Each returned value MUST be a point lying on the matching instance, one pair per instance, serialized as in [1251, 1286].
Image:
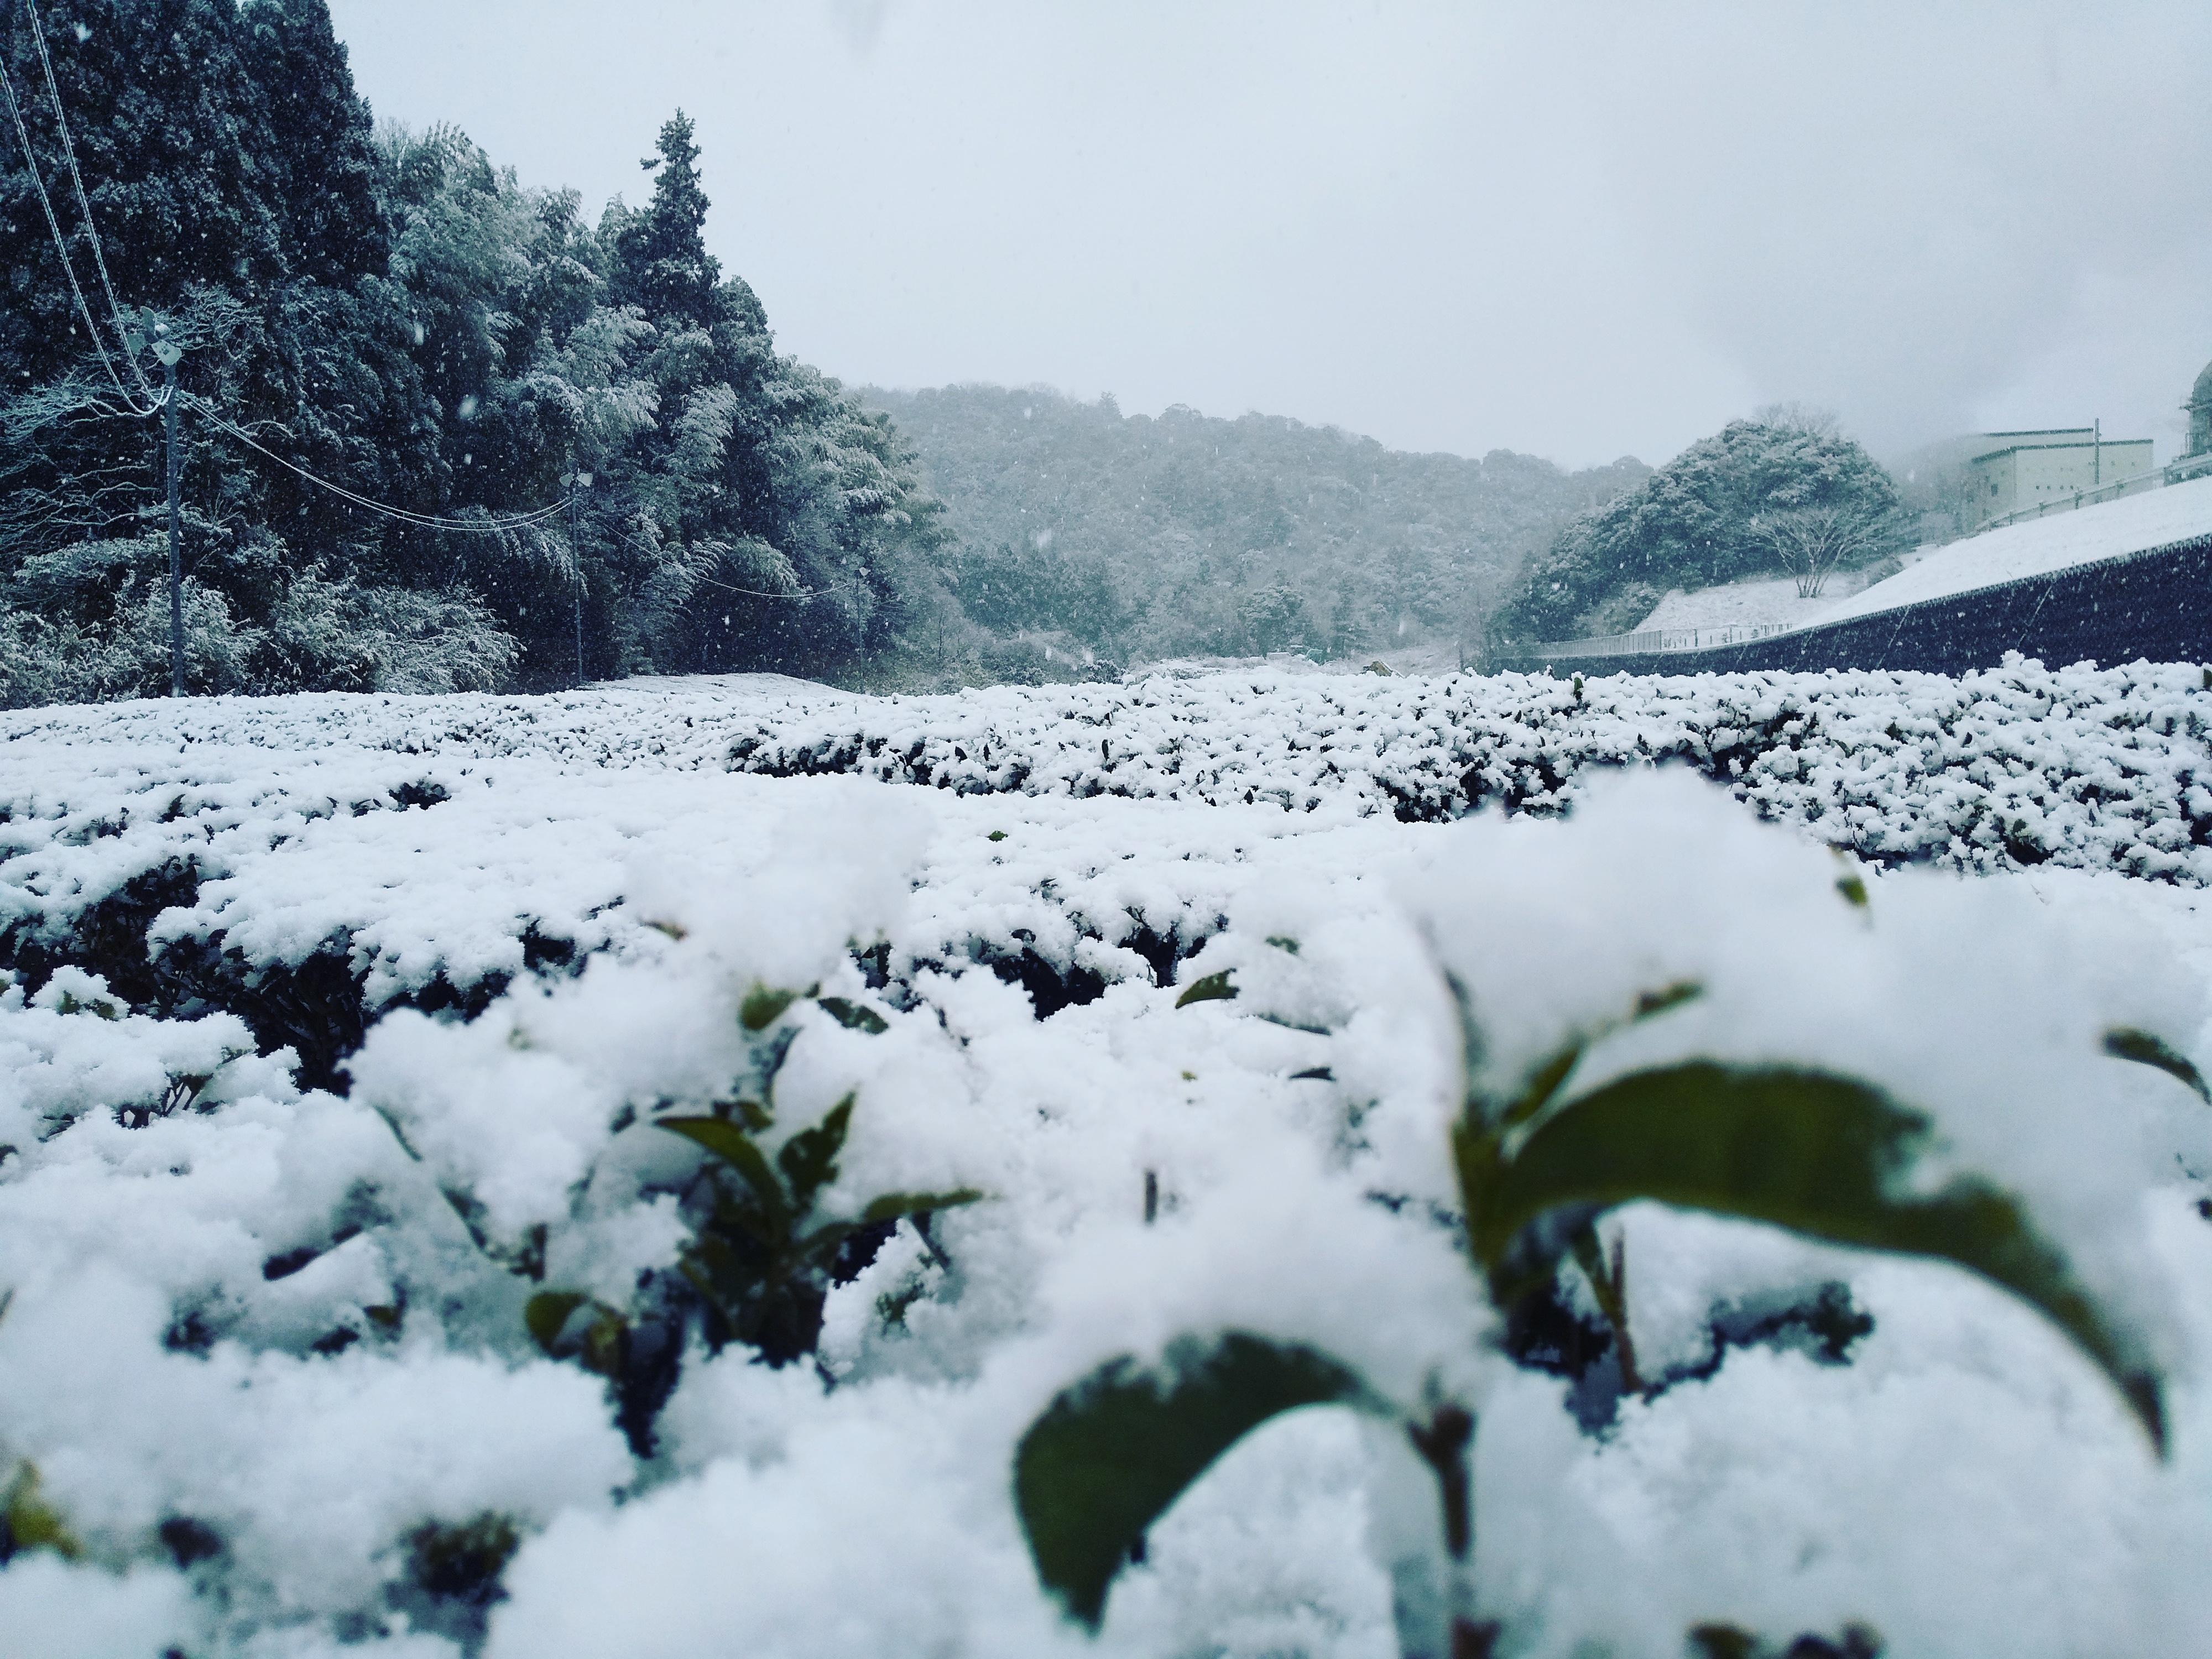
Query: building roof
[2201, 394]
[2071, 443]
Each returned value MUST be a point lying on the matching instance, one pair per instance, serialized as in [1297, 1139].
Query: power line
[727, 587]
[61, 245]
[155, 400]
[84, 203]
[422, 520]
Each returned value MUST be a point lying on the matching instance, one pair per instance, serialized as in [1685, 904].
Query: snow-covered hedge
[2021, 765]
[242, 838]
[267, 1351]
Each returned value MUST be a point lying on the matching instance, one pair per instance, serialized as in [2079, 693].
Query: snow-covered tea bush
[444, 1343]
[1538, 1163]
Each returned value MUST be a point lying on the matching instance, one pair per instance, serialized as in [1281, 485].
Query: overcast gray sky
[1576, 231]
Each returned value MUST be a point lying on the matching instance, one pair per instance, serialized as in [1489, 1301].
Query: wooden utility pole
[578, 481]
[168, 355]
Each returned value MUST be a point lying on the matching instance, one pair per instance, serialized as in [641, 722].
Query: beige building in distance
[2050, 466]
[2197, 461]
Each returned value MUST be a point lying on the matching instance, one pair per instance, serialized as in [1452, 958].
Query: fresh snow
[174, 1346]
[2148, 523]
[1751, 603]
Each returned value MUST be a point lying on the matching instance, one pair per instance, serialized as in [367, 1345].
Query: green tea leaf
[724, 1278]
[1113, 1452]
[1543, 1083]
[1545, 1080]
[1666, 997]
[1214, 988]
[809, 1158]
[734, 1147]
[893, 1207]
[762, 1007]
[547, 1316]
[547, 1313]
[2125, 1042]
[1820, 1155]
[463, 1563]
[32, 1523]
[854, 1016]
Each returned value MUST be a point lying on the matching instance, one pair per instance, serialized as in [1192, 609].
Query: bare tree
[1813, 418]
[1810, 542]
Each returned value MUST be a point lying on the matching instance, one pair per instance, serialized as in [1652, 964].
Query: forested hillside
[595, 461]
[1140, 537]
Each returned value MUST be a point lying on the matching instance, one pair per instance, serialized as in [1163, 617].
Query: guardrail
[2078, 500]
[1656, 639]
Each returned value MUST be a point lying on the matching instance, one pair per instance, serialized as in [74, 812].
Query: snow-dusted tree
[1275, 616]
[1691, 523]
[391, 313]
[1810, 541]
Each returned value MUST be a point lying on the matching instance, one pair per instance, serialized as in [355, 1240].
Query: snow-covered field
[264, 1344]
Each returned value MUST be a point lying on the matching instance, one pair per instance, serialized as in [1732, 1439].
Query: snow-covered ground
[1774, 602]
[265, 1347]
[2038, 547]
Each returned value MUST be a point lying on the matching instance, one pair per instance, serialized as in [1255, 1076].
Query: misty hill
[1139, 537]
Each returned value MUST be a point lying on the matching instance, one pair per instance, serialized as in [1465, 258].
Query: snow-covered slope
[2157, 520]
[266, 1354]
[1741, 605]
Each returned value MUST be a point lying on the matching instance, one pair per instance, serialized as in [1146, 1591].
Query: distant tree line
[391, 313]
[1131, 538]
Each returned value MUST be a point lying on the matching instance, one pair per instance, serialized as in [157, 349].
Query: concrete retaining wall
[2155, 605]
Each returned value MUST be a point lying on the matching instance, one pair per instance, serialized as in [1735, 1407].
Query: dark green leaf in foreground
[1819, 1154]
[762, 1007]
[809, 1158]
[735, 1148]
[855, 1015]
[30, 1521]
[1673, 995]
[821, 1245]
[1214, 988]
[546, 1313]
[550, 1317]
[892, 1207]
[2125, 1042]
[1117, 1450]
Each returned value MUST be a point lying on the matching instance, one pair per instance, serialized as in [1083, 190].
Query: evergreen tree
[399, 317]
[321, 154]
[662, 252]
